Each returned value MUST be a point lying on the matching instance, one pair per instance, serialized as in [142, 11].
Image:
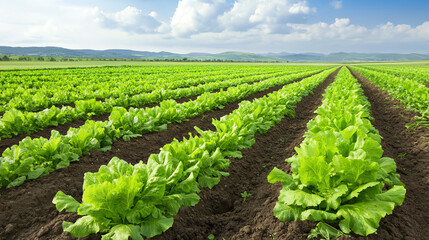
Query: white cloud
[300, 7]
[400, 32]
[53, 23]
[340, 29]
[49, 28]
[422, 31]
[267, 15]
[195, 16]
[200, 25]
[337, 4]
[199, 16]
[130, 19]
[153, 14]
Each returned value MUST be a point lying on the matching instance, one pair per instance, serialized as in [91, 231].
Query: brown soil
[410, 149]
[27, 211]
[222, 211]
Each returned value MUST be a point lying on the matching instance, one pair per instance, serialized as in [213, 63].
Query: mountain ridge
[225, 56]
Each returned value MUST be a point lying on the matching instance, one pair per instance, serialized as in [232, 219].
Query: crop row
[409, 72]
[77, 81]
[15, 122]
[413, 95]
[19, 81]
[36, 97]
[33, 158]
[124, 200]
[339, 176]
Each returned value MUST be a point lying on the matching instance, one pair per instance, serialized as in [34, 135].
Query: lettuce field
[215, 151]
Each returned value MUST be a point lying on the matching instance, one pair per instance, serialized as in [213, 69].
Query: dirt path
[223, 213]
[410, 149]
[27, 211]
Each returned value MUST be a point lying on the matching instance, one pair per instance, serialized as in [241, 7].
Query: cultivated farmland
[215, 151]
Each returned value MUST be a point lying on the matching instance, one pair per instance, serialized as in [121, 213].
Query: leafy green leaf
[396, 195]
[277, 175]
[355, 193]
[334, 198]
[317, 215]
[287, 213]
[67, 202]
[363, 218]
[326, 230]
[314, 171]
[82, 227]
[18, 181]
[300, 198]
[152, 227]
[123, 232]
[36, 173]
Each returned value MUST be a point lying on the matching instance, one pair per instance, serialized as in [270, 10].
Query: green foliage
[123, 200]
[245, 195]
[412, 93]
[339, 172]
[17, 122]
[126, 124]
[417, 74]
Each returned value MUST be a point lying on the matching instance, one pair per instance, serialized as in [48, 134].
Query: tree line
[65, 59]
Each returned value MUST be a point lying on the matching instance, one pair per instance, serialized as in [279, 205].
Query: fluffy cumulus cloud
[200, 25]
[400, 32]
[195, 16]
[199, 16]
[267, 15]
[54, 23]
[130, 19]
[340, 29]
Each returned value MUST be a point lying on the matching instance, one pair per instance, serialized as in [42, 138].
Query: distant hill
[120, 53]
[349, 57]
[226, 56]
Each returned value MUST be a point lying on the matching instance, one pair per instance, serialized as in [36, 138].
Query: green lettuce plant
[122, 200]
[339, 176]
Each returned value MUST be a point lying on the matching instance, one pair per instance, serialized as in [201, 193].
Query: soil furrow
[27, 211]
[410, 149]
[223, 212]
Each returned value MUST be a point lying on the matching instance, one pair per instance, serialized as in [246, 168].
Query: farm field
[192, 147]
[12, 65]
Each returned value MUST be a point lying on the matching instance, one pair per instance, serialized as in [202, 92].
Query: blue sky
[214, 26]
